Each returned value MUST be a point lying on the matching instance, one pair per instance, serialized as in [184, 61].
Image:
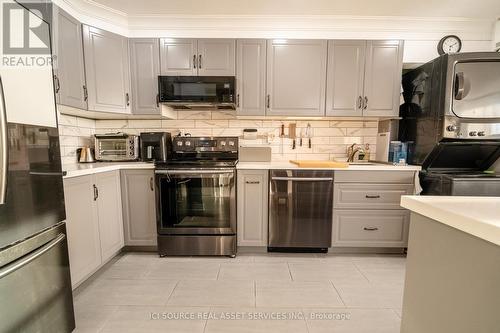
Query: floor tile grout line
[218, 272]
[289, 271]
[338, 293]
[255, 293]
[172, 292]
[361, 272]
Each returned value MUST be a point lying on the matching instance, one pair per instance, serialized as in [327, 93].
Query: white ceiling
[482, 9]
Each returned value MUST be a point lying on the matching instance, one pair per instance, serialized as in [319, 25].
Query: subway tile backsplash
[330, 138]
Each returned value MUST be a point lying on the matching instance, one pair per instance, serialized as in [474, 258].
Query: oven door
[196, 202]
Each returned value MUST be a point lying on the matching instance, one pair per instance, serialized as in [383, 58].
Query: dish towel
[417, 189]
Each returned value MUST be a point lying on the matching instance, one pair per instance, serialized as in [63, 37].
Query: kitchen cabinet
[296, 77]
[204, 57]
[109, 212]
[82, 225]
[251, 77]
[139, 209]
[94, 222]
[144, 71]
[367, 211]
[364, 78]
[70, 84]
[252, 211]
[383, 69]
[107, 70]
[346, 66]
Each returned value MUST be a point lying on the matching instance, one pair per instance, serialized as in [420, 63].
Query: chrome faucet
[352, 150]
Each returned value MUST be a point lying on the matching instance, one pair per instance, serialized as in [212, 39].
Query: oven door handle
[193, 172]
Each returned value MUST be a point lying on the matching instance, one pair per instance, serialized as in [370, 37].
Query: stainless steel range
[196, 197]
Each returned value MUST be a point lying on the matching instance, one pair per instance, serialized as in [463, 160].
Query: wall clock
[449, 44]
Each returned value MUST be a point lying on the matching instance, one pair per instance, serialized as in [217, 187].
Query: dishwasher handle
[304, 179]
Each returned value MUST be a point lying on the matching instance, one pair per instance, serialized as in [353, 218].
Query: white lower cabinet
[139, 209]
[252, 197]
[94, 222]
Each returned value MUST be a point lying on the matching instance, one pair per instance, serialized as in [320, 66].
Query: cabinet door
[344, 86]
[144, 71]
[139, 212]
[82, 228]
[107, 70]
[178, 56]
[383, 72]
[296, 77]
[252, 207]
[70, 79]
[251, 77]
[109, 211]
[216, 57]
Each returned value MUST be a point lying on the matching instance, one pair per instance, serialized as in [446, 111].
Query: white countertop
[83, 169]
[288, 165]
[478, 216]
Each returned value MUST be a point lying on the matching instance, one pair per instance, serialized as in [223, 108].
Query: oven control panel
[205, 144]
[459, 129]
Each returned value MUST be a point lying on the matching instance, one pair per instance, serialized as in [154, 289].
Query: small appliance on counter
[85, 155]
[113, 147]
[452, 114]
[250, 133]
[155, 146]
[387, 132]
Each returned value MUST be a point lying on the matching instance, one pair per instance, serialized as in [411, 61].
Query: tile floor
[140, 292]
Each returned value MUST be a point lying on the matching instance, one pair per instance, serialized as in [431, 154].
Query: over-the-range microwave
[187, 92]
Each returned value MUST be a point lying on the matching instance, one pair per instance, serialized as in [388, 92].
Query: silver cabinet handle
[360, 102]
[252, 182]
[237, 100]
[194, 60]
[303, 179]
[58, 84]
[365, 104]
[370, 228]
[199, 61]
[4, 152]
[368, 196]
[268, 101]
[85, 93]
[157, 100]
[17, 265]
[96, 192]
[127, 99]
[151, 186]
[459, 86]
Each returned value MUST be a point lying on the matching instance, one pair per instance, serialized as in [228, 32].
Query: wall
[330, 137]
[74, 132]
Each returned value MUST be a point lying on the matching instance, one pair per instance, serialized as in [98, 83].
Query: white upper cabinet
[251, 77]
[144, 71]
[107, 70]
[178, 56]
[191, 57]
[296, 77]
[383, 69]
[344, 86]
[69, 65]
[216, 57]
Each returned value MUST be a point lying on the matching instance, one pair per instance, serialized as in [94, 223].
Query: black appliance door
[210, 89]
[196, 202]
[35, 284]
[34, 197]
[300, 209]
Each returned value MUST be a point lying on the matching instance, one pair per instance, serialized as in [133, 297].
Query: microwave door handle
[459, 86]
[4, 153]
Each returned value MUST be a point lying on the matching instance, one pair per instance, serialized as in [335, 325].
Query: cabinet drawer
[374, 176]
[370, 228]
[370, 196]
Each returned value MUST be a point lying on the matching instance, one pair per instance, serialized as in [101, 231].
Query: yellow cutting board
[319, 164]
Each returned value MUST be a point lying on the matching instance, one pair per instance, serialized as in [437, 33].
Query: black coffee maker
[155, 146]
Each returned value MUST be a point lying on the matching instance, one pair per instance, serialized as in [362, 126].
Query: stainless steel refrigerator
[35, 285]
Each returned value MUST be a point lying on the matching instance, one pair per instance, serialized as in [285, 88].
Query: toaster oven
[116, 147]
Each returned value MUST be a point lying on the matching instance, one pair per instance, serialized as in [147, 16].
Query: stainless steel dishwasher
[300, 210]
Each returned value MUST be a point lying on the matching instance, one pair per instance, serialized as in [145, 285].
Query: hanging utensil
[292, 133]
[300, 140]
[309, 134]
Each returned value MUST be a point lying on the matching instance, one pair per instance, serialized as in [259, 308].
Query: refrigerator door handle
[36, 254]
[3, 146]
